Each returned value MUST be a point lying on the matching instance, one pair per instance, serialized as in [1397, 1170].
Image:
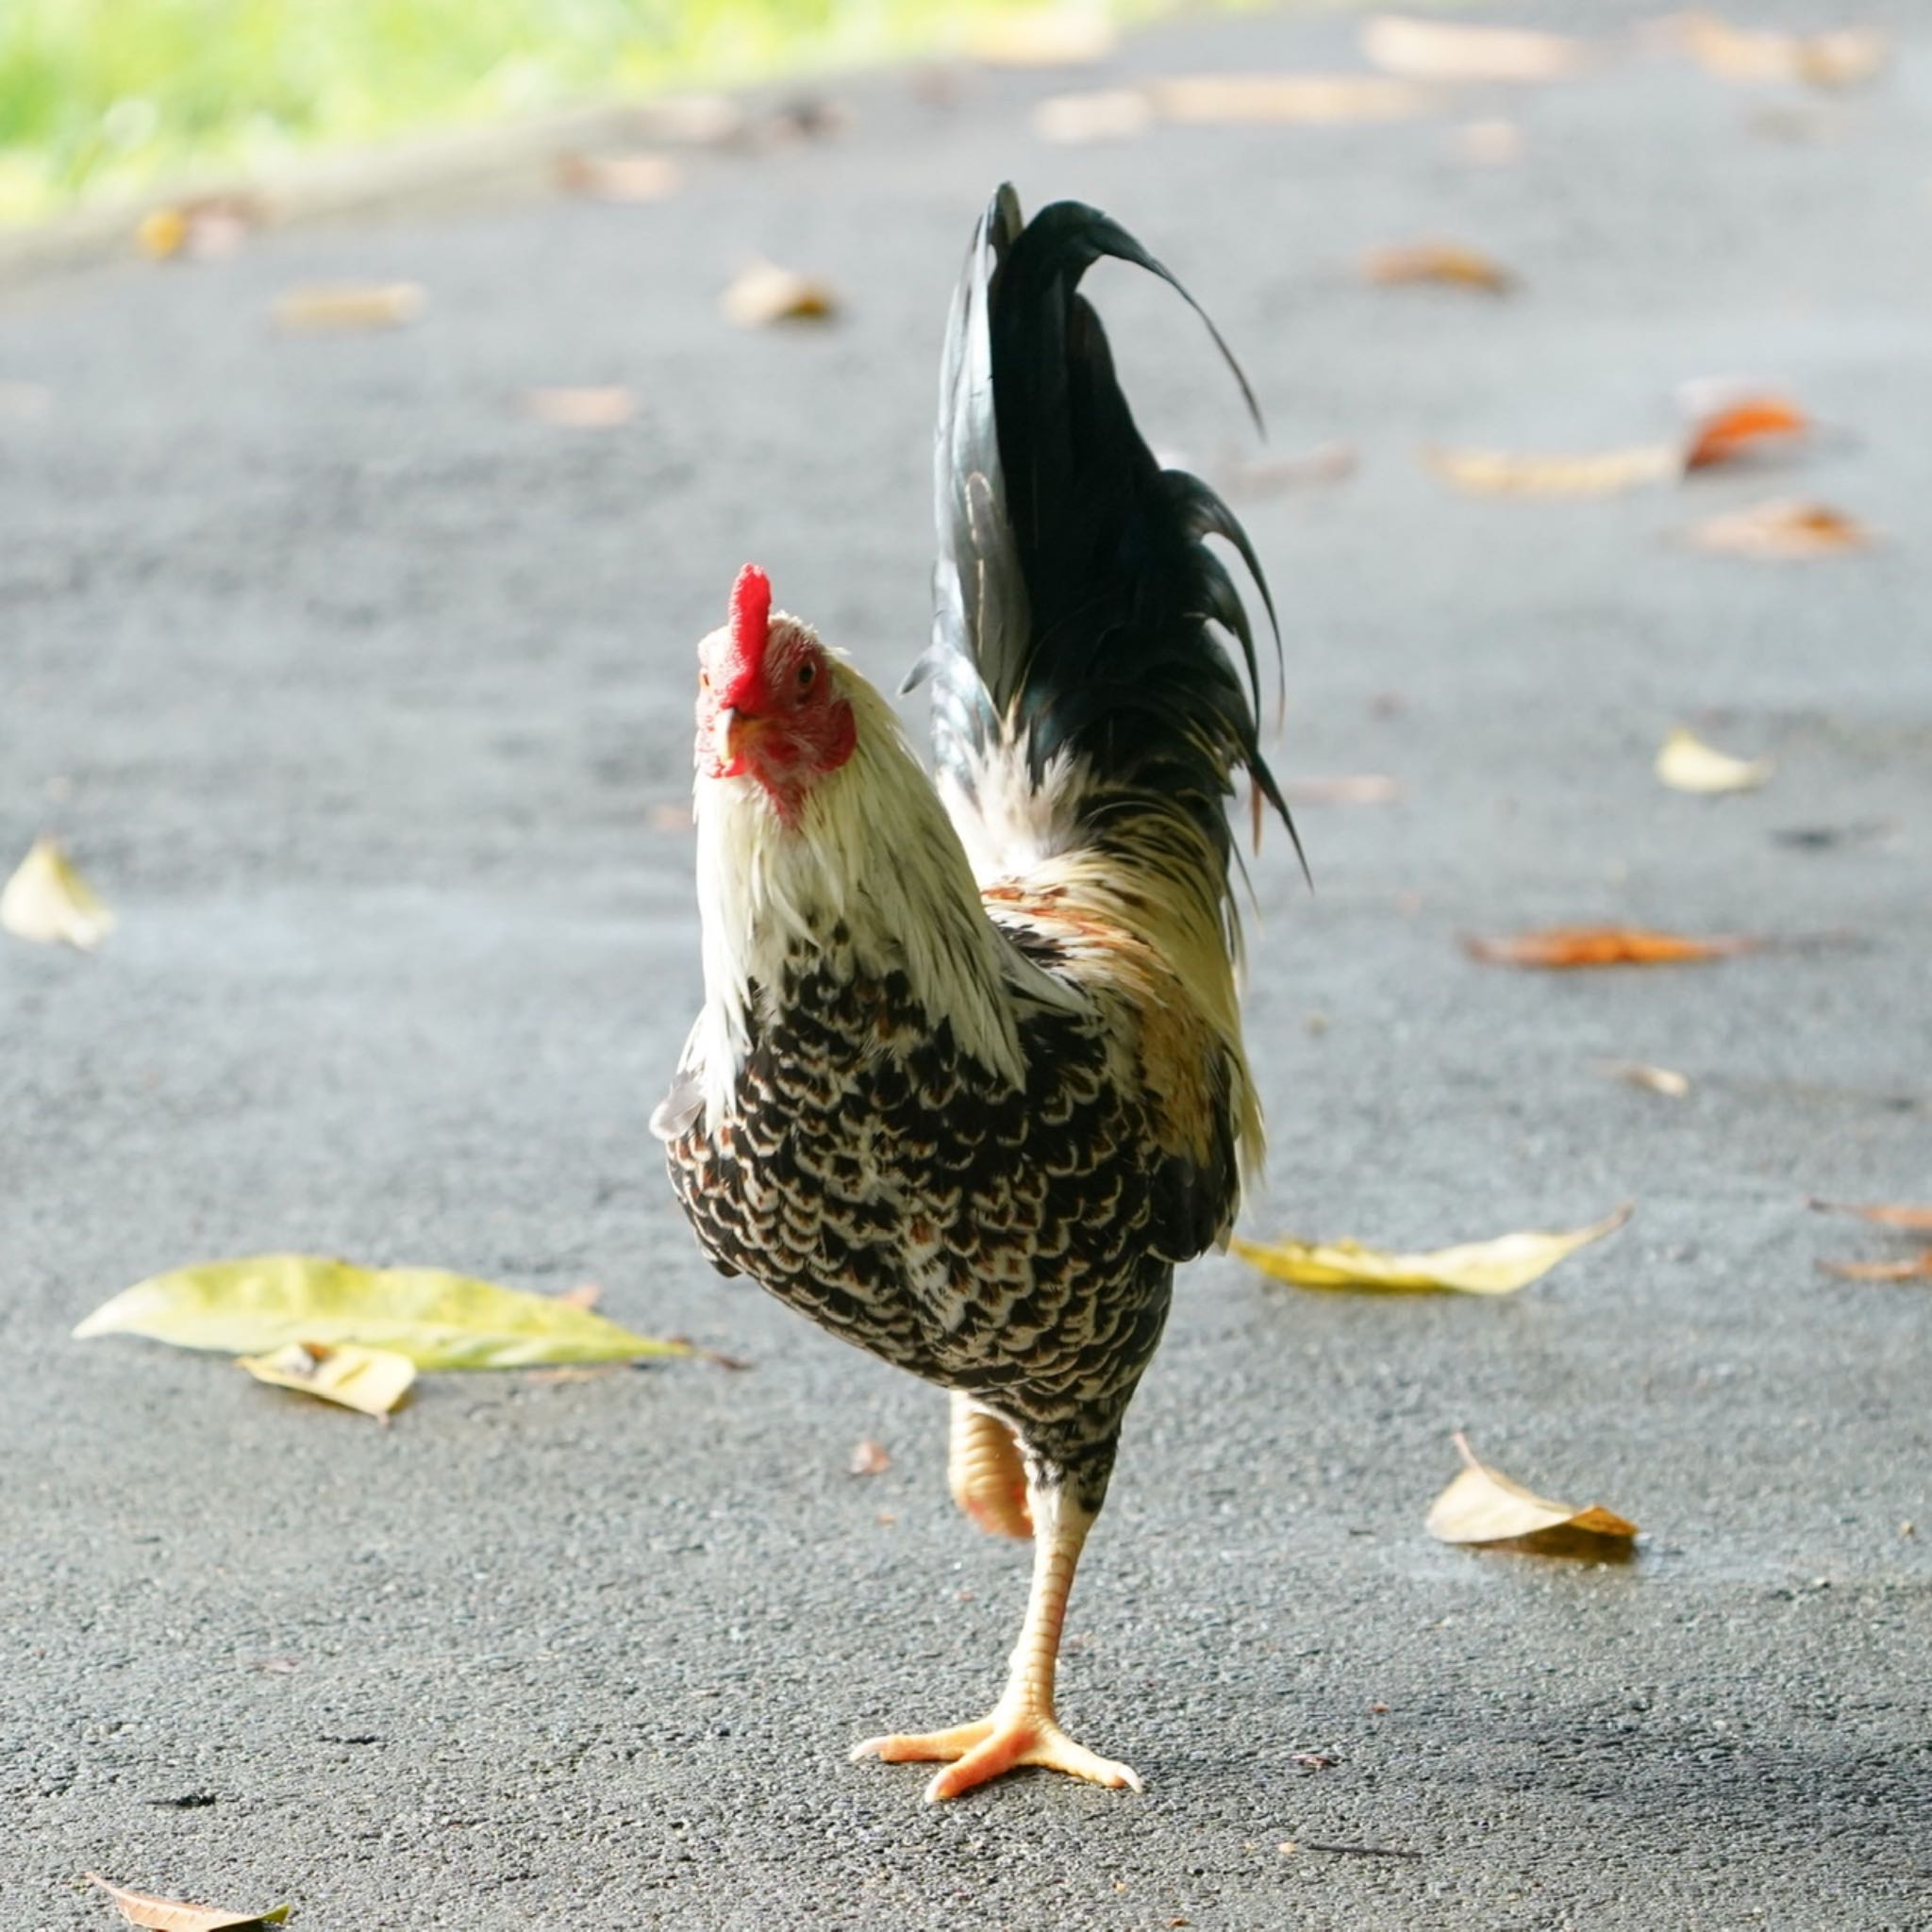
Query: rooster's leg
[985, 1473]
[1022, 1729]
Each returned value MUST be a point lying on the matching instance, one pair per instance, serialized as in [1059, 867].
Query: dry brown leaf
[1074, 120]
[1483, 1506]
[1911, 1269]
[1885, 1213]
[47, 901]
[370, 1380]
[1326, 463]
[1567, 947]
[1446, 262]
[634, 177]
[581, 409]
[1356, 787]
[176, 1915]
[869, 1458]
[1744, 426]
[765, 293]
[1665, 1080]
[1498, 472]
[1685, 763]
[1316, 100]
[1785, 527]
[325, 307]
[1842, 58]
[1444, 50]
[1061, 37]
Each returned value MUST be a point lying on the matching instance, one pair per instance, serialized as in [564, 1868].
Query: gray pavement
[360, 696]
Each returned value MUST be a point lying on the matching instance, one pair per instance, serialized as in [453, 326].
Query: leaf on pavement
[437, 1320]
[1666, 1080]
[345, 306]
[1911, 1267]
[1113, 115]
[1438, 261]
[1842, 58]
[1685, 763]
[1444, 50]
[1059, 37]
[1744, 426]
[869, 1458]
[1785, 527]
[1500, 472]
[1315, 100]
[1494, 1267]
[581, 409]
[1353, 787]
[1482, 1505]
[175, 1915]
[47, 901]
[370, 1380]
[636, 178]
[764, 293]
[1563, 948]
[208, 229]
[1885, 1213]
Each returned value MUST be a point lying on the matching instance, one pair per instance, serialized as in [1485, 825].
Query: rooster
[968, 1081]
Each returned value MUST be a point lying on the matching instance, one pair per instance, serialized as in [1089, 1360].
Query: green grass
[99, 96]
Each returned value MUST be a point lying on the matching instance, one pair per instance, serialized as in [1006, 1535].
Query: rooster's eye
[807, 671]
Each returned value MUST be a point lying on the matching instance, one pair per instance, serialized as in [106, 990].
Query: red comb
[751, 615]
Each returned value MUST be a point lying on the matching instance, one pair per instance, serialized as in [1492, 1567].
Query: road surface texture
[366, 700]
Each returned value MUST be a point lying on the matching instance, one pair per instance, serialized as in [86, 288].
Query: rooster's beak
[736, 733]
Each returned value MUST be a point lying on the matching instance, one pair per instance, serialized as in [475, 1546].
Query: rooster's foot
[976, 1754]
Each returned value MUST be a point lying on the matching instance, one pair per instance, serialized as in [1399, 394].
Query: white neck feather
[872, 848]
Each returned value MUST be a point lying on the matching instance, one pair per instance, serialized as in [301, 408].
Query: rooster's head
[770, 704]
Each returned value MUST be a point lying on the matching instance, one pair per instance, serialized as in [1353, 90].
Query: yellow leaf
[1314, 100]
[1446, 262]
[581, 409]
[1494, 1267]
[1482, 1505]
[333, 306]
[1784, 528]
[1842, 58]
[47, 901]
[765, 293]
[1501, 473]
[1665, 1080]
[1446, 50]
[1685, 763]
[372, 1380]
[437, 1320]
[175, 1915]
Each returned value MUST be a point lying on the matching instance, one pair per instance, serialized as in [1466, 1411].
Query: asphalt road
[366, 701]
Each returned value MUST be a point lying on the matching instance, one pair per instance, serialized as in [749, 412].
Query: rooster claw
[978, 1753]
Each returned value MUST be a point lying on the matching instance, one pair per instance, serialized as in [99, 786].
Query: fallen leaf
[1483, 1507]
[1357, 787]
[1500, 472]
[175, 1915]
[1665, 1080]
[869, 1458]
[1492, 1266]
[1744, 427]
[1441, 50]
[207, 228]
[437, 1320]
[1438, 261]
[595, 1372]
[1314, 1760]
[1060, 36]
[1315, 100]
[765, 293]
[586, 1294]
[1885, 1213]
[1327, 463]
[372, 1380]
[581, 409]
[1685, 763]
[1493, 143]
[1073, 120]
[347, 305]
[633, 178]
[47, 901]
[1911, 1269]
[1785, 527]
[1561, 948]
[1842, 58]
[1828, 838]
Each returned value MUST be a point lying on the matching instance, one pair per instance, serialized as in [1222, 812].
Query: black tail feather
[1075, 589]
